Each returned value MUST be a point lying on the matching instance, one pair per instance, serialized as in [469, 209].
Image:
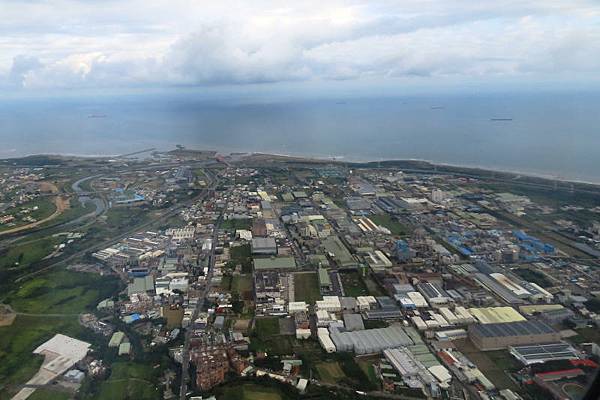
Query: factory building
[540, 353]
[264, 246]
[353, 322]
[297, 306]
[405, 302]
[496, 315]
[325, 341]
[371, 340]
[413, 373]
[418, 299]
[463, 315]
[377, 260]
[449, 316]
[329, 303]
[364, 303]
[500, 336]
[324, 280]
[433, 293]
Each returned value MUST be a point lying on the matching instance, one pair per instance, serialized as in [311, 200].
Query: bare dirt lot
[61, 203]
[7, 316]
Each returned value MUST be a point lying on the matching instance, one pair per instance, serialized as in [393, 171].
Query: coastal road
[185, 354]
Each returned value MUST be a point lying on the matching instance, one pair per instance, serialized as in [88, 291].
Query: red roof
[574, 371]
[446, 357]
[585, 363]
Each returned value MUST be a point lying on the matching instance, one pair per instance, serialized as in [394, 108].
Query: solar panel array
[521, 328]
[544, 352]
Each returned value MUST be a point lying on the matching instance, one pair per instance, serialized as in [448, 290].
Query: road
[170, 212]
[185, 355]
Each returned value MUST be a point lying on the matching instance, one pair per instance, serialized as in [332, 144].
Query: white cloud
[74, 44]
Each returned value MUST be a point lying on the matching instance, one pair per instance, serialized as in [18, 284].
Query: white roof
[65, 346]
[441, 373]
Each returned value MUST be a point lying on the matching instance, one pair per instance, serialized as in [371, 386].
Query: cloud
[82, 44]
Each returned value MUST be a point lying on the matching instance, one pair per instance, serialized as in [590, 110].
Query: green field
[353, 284]
[62, 292]
[249, 391]
[533, 276]
[17, 363]
[55, 298]
[75, 211]
[306, 287]
[27, 252]
[366, 364]
[242, 285]
[372, 286]
[330, 372]
[392, 224]
[45, 206]
[242, 255]
[47, 394]
[234, 224]
[493, 364]
[587, 335]
[266, 337]
[129, 380]
[120, 218]
[266, 327]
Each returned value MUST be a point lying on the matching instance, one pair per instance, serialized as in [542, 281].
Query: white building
[418, 299]
[365, 302]
[329, 303]
[180, 284]
[297, 306]
[302, 333]
[325, 340]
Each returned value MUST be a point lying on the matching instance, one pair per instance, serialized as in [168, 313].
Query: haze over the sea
[357, 80]
[552, 134]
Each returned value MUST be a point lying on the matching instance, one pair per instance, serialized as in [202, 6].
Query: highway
[170, 212]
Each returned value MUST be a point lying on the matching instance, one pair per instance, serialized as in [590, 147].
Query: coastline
[344, 160]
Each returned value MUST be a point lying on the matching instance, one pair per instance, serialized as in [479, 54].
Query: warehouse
[418, 299]
[325, 340]
[512, 286]
[324, 280]
[405, 302]
[369, 341]
[498, 289]
[353, 322]
[419, 323]
[382, 314]
[433, 293]
[329, 303]
[378, 261]
[449, 316]
[496, 315]
[413, 373]
[264, 246]
[541, 353]
[463, 315]
[500, 336]
[452, 334]
[116, 339]
[297, 306]
[365, 302]
[334, 247]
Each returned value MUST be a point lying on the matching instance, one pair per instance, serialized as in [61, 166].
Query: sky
[142, 44]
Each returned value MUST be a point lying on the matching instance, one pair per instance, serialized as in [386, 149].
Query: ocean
[550, 134]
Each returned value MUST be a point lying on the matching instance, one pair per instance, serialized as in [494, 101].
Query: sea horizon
[551, 136]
